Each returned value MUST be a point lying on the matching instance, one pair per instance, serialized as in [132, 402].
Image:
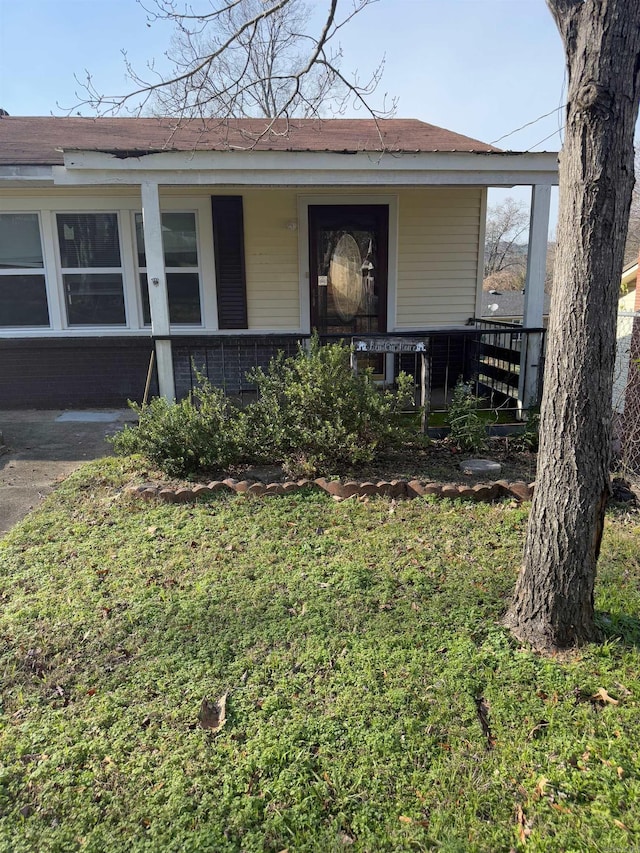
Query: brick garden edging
[401, 489]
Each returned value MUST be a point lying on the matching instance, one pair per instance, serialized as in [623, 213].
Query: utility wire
[528, 124]
[545, 139]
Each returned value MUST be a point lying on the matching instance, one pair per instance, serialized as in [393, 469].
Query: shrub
[314, 414]
[201, 432]
[468, 430]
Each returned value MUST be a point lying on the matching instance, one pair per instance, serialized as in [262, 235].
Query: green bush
[468, 429]
[315, 415]
[200, 433]
[312, 413]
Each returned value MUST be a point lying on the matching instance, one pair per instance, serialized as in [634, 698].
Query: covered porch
[502, 361]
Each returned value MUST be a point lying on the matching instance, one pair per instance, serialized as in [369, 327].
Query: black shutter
[228, 244]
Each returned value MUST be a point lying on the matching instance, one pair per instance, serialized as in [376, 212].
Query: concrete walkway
[42, 448]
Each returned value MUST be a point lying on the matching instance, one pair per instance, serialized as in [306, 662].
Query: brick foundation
[47, 373]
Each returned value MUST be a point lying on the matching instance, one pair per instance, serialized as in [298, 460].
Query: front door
[348, 247]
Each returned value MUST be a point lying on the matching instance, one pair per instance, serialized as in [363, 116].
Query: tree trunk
[553, 605]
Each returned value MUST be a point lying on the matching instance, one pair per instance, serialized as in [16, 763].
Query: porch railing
[488, 355]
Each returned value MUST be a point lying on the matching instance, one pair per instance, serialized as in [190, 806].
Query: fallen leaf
[151, 530]
[602, 696]
[524, 827]
[541, 785]
[620, 772]
[213, 715]
[620, 824]
[404, 819]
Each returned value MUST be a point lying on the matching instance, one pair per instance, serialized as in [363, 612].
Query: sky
[480, 67]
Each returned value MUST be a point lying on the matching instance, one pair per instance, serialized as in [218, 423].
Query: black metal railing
[489, 356]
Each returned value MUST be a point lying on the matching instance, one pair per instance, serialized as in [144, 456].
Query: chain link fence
[626, 396]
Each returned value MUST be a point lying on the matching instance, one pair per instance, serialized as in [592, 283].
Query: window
[23, 292]
[180, 245]
[91, 269]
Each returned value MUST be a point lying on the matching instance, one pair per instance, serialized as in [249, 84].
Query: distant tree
[245, 58]
[506, 223]
[259, 74]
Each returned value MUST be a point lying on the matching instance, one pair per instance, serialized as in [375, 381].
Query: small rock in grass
[480, 467]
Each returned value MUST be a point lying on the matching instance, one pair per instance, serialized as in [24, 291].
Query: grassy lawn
[374, 703]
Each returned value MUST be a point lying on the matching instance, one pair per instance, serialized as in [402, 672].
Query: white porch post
[157, 284]
[534, 295]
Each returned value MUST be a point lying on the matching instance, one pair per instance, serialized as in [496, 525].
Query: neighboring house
[508, 306]
[626, 379]
[627, 330]
[219, 244]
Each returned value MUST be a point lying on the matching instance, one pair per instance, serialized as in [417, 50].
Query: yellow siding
[438, 245]
[438, 238]
[271, 259]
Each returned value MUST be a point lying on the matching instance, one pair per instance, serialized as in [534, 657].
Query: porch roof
[29, 140]
[240, 152]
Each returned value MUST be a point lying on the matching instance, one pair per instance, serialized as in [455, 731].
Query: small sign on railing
[390, 345]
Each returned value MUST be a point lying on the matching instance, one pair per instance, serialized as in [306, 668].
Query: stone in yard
[480, 467]
[264, 473]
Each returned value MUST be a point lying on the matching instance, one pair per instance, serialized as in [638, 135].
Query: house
[216, 244]
[508, 306]
[626, 377]
[625, 385]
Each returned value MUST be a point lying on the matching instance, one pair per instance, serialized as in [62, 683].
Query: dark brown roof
[33, 140]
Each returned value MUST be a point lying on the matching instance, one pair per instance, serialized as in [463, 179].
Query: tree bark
[553, 605]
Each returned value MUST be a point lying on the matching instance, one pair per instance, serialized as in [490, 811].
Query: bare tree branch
[244, 58]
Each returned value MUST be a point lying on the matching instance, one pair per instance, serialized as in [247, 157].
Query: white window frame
[123, 201]
[178, 327]
[62, 271]
[30, 271]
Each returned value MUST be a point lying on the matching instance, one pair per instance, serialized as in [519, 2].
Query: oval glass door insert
[345, 277]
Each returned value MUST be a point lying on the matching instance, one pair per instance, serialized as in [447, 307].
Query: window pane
[184, 297]
[179, 240]
[20, 246]
[94, 300]
[144, 293]
[88, 240]
[23, 301]
[142, 260]
[183, 290]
